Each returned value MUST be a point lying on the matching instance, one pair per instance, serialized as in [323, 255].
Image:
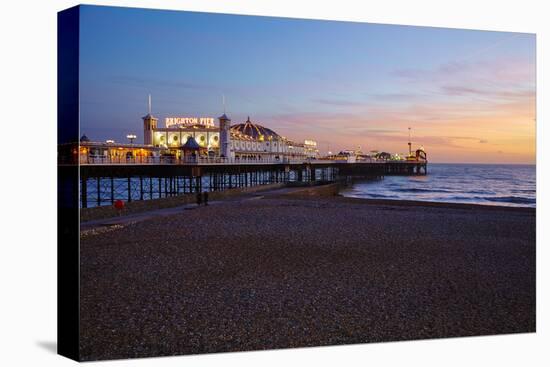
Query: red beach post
[119, 206]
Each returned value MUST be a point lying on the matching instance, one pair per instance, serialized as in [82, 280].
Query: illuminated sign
[188, 121]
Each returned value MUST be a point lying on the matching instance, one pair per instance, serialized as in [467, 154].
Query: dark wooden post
[112, 190]
[129, 189]
[99, 191]
[84, 191]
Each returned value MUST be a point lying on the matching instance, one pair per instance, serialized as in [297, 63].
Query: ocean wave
[482, 192]
[520, 191]
[417, 189]
[371, 195]
[511, 199]
[496, 199]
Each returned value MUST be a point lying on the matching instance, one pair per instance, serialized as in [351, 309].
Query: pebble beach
[283, 272]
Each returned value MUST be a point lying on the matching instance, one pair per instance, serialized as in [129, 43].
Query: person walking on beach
[199, 198]
[205, 198]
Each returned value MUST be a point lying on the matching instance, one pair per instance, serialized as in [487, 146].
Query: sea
[487, 184]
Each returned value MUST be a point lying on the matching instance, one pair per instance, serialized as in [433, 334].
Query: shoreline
[324, 190]
[438, 204]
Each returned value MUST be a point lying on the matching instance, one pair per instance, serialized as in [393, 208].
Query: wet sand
[282, 272]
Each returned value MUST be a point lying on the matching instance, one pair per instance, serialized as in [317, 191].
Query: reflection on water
[508, 185]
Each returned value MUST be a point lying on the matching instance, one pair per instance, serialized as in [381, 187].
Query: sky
[468, 95]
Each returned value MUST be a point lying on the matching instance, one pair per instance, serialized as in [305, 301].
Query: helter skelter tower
[410, 144]
[225, 133]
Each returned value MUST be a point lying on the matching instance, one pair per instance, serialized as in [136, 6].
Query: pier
[196, 156]
[102, 183]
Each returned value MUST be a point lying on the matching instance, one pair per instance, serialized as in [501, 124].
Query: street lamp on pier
[131, 137]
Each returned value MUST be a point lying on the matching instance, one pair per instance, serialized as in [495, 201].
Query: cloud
[459, 90]
[470, 138]
[407, 73]
[496, 72]
[445, 70]
[337, 102]
[463, 90]
[397, 97]
[462, 137]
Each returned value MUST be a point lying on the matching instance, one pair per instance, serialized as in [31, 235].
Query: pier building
[243, 141]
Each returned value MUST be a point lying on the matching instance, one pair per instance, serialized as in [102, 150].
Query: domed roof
[255, 131]
[84, 138]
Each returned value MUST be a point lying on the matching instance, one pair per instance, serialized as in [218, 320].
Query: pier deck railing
[98, 160]
[102, 160]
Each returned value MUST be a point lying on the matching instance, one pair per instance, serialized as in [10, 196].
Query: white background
[28, 191]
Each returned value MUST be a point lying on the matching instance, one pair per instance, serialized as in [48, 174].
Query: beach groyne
[133, 207]
[329, 189]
